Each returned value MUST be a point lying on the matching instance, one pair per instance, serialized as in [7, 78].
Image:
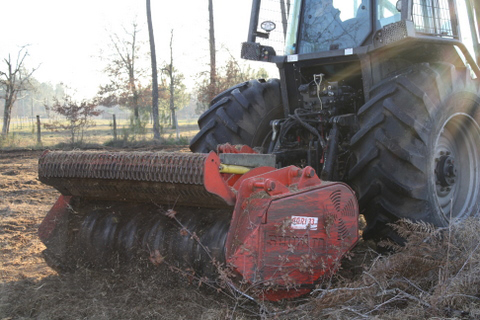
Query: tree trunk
[136, 112]
[172, 85]
[156, 122]
[172, 103]
[6, 119]
[7, 113]
[39, 133]
[114, 128]
[213, 67]
[72, 132]
[133, 85]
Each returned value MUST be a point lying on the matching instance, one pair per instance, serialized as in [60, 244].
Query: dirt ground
[23, 201]
[29, 289]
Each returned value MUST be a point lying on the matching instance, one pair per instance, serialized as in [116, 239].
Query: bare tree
[171, 76]
[13, 81]
[124, 72]
[153, 55]
[213, 66]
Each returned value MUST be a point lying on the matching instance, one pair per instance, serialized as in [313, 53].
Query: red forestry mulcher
[280, 229]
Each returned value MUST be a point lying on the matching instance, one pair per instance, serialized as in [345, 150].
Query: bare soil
[29, 289]
[23, 201]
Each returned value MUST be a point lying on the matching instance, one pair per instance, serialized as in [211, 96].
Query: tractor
[382, 95]
[376, 112]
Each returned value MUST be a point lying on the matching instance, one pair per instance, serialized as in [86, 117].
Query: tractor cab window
[387, 12]
[333, 24]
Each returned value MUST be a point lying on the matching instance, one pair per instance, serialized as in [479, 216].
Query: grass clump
[434, 275]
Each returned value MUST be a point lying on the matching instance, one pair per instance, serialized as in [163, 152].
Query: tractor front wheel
[240, 115]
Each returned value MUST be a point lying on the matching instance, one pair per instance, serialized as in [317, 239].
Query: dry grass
[435, 276]
[24, 134]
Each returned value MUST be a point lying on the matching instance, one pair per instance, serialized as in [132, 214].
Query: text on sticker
[299, 222]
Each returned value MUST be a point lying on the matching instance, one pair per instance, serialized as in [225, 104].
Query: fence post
[39, 134]
[114, 128]
[177, 129]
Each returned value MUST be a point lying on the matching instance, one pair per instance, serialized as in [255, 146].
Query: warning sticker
[299, 222]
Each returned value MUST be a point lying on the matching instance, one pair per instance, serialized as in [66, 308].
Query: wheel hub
[445, 171]
[456, 169]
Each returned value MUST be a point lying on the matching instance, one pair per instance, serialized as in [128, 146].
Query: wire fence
[26, 132]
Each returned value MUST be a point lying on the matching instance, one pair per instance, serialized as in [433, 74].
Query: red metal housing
[289, 229]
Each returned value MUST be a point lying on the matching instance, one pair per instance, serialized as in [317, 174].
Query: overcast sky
[65, 37]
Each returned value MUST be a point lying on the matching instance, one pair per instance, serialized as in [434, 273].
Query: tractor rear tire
[240, 115]
[417, 152]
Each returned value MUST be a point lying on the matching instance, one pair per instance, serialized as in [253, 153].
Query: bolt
[309, 172]
[270, 185]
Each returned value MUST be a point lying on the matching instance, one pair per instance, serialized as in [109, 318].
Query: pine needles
[435, 274]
